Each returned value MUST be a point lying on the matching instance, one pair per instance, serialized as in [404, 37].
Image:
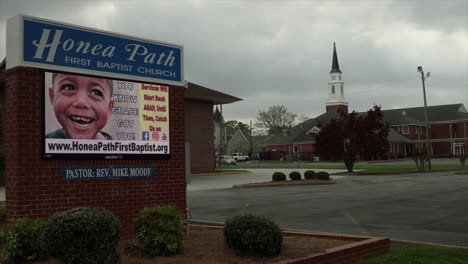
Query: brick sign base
[34, 187]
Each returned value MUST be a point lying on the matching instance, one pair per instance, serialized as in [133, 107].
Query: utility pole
[428, 139]
[250, 139]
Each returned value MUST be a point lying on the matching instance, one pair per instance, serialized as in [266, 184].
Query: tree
[352, 134]
[234, 124]
[276, 118]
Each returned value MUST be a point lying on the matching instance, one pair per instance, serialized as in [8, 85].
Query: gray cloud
[279, 52]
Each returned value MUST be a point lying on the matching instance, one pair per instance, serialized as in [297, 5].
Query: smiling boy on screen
[82, 105]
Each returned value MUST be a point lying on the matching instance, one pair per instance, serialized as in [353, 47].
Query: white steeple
[336, 97]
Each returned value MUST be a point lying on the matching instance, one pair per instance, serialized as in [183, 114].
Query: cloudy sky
[280, 52]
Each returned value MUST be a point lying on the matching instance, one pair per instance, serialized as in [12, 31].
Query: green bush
[23, 240]
[309, 174]
[294, 176]
[253, 235]
[322, 175]
[83, 235]
[278, 176]
[160, 230]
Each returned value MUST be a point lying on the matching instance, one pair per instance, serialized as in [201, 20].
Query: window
[333, 77]
[315, 130]
[405, 130]
[340, 77]
[341, 89]
[333, 89]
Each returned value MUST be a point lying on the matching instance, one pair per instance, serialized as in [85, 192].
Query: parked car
[239, 156]
[228, 160]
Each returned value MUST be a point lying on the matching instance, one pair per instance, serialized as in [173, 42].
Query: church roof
[217, 117]
[436, 113]
[395, 117]
[335, 64]
[195, 91]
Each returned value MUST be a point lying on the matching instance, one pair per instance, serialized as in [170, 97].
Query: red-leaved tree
[352, 134]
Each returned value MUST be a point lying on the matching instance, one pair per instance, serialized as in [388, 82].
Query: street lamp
[428, 140]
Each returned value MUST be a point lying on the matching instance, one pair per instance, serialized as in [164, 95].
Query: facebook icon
[145, 135]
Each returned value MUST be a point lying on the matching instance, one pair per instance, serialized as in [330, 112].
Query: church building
[448, 128]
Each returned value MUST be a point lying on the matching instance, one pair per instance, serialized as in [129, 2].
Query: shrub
[309, 174]
[294, 176]
[160, 230]
[23, 240]
[322, 175]
[279, 176]
[83, 235]
[253, 235]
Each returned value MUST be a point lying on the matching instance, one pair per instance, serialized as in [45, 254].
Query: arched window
[333, 89]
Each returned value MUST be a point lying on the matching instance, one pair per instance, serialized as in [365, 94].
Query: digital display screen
[93, 117]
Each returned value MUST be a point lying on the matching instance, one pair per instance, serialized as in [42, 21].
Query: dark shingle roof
[436, 113]
[412, 116]
[401, 117]
[195, 91]
[298, 134]
[395, 137]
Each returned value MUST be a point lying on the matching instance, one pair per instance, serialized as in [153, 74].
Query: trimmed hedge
[294, 176]
[309, 175]
[160, 230]
[83, 235]
[253, 235]
[322, 175]
[23, 240]
[278, 176]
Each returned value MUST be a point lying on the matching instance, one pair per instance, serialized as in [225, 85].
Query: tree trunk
[349, 163]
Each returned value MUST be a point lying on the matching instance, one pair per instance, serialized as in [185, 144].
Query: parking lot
[426, 207]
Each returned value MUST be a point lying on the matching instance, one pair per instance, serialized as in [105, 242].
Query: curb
[268, 184]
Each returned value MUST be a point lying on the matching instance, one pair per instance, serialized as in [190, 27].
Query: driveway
[426, 207]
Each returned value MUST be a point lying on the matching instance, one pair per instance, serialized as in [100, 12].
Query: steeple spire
[336, 98]
[335, 65]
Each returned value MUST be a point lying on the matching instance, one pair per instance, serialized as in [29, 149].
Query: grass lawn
[374, 169]
[401, 169]
[419, 254]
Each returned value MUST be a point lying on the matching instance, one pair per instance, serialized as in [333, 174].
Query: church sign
[57, 46]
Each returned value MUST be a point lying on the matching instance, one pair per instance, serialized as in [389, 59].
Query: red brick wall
[200, 135]
[440, 131]
[33, 186]
[442, 148]
[332, 107]
[460, 130]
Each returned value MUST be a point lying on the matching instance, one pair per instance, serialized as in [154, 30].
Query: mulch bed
[206, 246]
[284, 183]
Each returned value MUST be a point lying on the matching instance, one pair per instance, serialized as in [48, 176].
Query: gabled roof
[399, 117]
[436, 113]
[395, 137]
[198, 92]
[239, 134]
[298, 134]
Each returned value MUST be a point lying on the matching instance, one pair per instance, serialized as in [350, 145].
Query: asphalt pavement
[425, 207]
